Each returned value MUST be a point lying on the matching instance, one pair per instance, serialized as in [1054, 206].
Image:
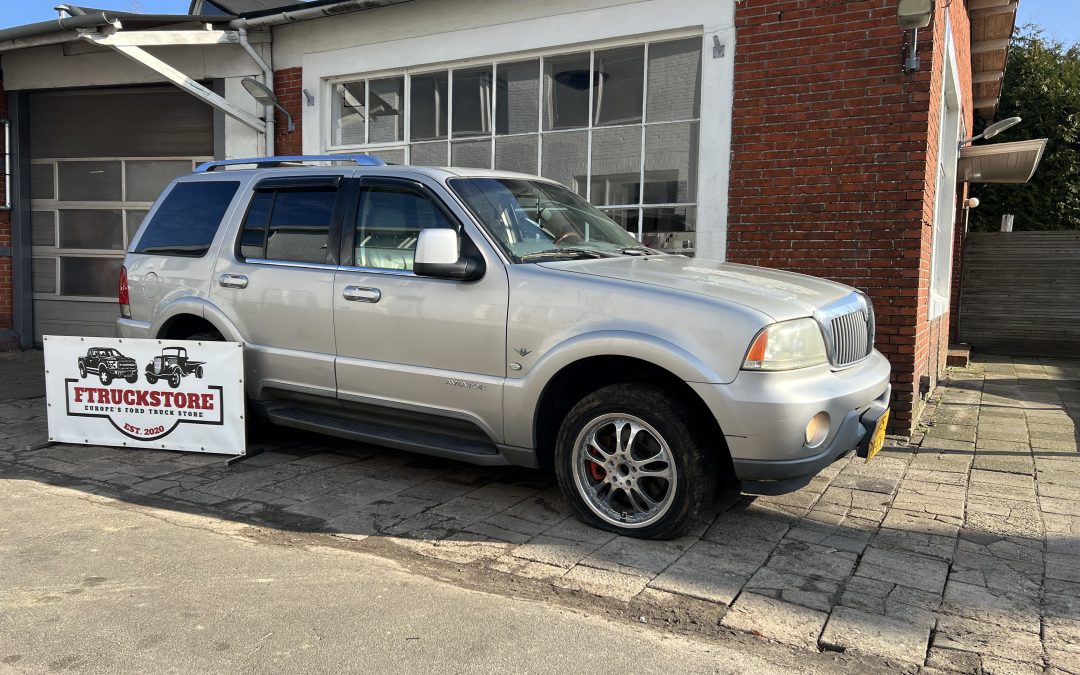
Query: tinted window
[186, 222]
[290, 224]
[389, 221]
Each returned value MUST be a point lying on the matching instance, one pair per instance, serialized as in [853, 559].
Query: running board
[473, 450]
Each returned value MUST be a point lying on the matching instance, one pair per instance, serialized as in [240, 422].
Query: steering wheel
[568, 235]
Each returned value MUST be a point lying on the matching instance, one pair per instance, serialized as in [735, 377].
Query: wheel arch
[579, 378]
[187, 316]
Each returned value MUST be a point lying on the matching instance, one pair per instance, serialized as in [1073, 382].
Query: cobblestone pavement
[958, 551]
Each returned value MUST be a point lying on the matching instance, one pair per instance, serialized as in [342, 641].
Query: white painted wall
[448, 31]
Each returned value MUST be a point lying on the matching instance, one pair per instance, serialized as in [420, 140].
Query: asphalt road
[90, 584]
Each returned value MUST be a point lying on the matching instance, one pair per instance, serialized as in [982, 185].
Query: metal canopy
[1000, 162]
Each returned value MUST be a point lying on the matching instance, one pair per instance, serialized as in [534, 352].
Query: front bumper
[764, 416]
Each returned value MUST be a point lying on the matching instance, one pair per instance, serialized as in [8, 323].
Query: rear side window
[291, 225]
[186, 222]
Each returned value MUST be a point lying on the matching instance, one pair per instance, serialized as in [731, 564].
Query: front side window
[388, 224]
[535, 221]
[290, 225]
[186, 222]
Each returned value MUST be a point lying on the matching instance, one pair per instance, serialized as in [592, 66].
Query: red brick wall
[288, 86]
[6, 341]
[832, 160]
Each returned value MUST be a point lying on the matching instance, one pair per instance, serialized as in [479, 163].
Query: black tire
[198, 372]
[82, 371]
[133, 378]
[696, 465]
[207, 336]
[174, 379]
[151, 378]
[105, 377]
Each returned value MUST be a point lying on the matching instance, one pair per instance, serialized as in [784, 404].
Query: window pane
[616, 165]
[472, 102]
[628, 218]
[428, 154]
[390, 155]
[146, 180]
[186, 222]
[517, 153]
[90, 182]
[43, 228]
[94, 277]
[253, 236]
[674, 80]
[566, 88]
[134, 217]
[428, 111]
[475, 154]
[670, 229]
[347, 113]
[98, 228]
[620, 76]
[671, 163]
[565, 157]
[388, 223]
[44, 275]
[41, 181]
[519, 97]
[300, 225]
[386, 98]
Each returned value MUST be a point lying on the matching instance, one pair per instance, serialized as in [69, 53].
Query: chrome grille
[849, 329]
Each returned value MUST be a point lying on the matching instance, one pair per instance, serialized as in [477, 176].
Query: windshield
[535, 221]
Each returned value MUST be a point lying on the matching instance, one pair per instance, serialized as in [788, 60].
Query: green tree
[1042, 85]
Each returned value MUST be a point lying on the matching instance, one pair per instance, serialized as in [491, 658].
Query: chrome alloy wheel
[624, 470]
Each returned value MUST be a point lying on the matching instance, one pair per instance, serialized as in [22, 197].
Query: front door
[277, 284]
[425, 345]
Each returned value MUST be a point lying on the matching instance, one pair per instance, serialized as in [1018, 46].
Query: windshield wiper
[637, 250]
[566, 253]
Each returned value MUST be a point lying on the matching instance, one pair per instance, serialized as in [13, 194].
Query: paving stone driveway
[958, 551]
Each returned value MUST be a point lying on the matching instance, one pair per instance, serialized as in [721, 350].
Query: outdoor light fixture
[264, 96]
[993, 130]
[913, 15]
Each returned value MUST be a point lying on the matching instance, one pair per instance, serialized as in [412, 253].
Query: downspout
[6, 206]
[268, 78]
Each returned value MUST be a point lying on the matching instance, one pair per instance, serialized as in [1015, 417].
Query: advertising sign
[161, 394]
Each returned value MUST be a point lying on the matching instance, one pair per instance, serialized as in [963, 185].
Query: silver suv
[499, 318]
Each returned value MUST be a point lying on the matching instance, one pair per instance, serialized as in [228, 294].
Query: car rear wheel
[630, 460]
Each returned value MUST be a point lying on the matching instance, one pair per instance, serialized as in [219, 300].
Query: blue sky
[1060, 18]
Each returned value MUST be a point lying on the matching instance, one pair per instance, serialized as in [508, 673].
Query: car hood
[781, 295]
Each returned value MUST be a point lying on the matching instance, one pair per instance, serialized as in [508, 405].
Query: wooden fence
[1020, 293]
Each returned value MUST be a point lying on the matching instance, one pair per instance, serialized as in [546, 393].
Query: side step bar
[472, 450]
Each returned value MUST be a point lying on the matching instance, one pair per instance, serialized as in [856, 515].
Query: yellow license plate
[878, 439]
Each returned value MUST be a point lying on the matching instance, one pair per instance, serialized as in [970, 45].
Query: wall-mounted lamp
[264, 96]
[973, 203]
[913, 15]
[993, 130]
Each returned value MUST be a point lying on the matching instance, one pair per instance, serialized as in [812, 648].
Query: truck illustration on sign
[108, 364]
[173, 365]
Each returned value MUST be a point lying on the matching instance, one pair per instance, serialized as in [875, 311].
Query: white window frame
[945, 174]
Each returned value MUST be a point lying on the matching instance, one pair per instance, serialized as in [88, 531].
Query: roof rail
[271, 162]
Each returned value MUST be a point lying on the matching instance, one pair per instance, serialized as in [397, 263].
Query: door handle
[360, 294]
[233, 281]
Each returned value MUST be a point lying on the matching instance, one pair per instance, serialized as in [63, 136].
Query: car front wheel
[630, 460]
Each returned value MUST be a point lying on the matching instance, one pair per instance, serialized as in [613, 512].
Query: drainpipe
[268, 78]
[326, 9]
[6, 206]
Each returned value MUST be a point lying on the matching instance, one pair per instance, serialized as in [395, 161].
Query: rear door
[277, 280]
[428, 345]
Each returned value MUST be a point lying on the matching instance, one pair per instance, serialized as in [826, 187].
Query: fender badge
[522, 351]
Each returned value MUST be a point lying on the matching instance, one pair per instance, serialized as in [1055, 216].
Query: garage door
[99, 159]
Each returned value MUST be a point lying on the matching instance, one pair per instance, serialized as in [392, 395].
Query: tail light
[124, 298]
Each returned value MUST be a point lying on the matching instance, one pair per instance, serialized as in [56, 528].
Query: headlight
[787, 345]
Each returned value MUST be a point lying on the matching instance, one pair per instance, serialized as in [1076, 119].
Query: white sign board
[161, 394]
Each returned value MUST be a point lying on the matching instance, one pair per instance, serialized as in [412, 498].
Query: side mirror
[437, 256]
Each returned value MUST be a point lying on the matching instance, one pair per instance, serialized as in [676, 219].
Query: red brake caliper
[596, 471]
